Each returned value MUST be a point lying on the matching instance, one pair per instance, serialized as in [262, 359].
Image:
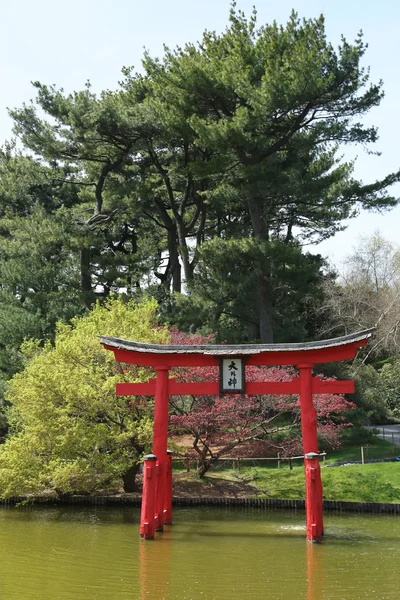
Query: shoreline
[124, 499]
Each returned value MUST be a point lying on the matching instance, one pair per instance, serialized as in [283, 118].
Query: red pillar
[147, 521]
[168, 491]
[315, 527]
[160, 440]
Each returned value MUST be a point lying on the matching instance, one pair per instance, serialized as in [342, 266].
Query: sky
[69, 43]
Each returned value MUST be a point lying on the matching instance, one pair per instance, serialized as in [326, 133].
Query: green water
[213, 554]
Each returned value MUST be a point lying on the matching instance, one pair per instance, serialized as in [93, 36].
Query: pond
[209, 553]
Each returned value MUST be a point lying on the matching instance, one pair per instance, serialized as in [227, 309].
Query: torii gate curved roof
[331, 350]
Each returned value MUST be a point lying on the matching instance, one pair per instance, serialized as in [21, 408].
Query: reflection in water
[155, 566]
[209, 554]
[315, 571]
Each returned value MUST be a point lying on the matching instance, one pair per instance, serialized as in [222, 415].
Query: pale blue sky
[70, 42]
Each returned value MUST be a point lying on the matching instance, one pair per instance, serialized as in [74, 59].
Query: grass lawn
[359, 483]
[363, 483]
[378, 482]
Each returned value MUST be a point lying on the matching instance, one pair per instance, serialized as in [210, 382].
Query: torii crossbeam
[157, 480]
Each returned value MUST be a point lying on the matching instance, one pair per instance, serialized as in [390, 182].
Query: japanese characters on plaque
[232, 375]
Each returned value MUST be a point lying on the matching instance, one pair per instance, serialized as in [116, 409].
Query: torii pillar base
[147, 518]
[314, 518]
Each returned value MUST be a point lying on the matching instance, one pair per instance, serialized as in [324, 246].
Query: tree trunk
[203, 467]
[253, 332]
[174, 258]
[183, 247]
[86, 277]
[185, 257]
[260, 230]
[266, 326]
[129, 479]
[177, 278]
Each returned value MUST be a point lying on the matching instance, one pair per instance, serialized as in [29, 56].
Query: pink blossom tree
[220, 426]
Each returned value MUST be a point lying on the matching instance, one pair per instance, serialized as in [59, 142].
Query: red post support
[168, 491]
[160, 441]
[314, 518]
[147, 522]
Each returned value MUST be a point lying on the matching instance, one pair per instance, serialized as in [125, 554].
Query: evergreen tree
[272, 106]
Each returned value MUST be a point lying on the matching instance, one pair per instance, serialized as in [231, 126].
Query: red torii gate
[157, 473]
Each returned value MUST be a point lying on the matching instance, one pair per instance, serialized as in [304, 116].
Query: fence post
[279, 461]
[362, 455]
